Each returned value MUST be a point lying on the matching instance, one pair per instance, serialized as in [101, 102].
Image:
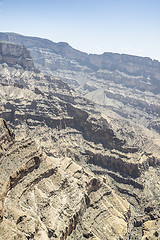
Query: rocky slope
[128, 85]
[73, 136]
[45, 197]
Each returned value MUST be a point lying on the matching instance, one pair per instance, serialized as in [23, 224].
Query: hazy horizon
[125, 27]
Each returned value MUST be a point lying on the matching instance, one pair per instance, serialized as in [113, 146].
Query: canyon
[80, 143]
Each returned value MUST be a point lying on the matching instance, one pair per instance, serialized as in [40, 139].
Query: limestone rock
[151, 230]
[93, 172]
[47, 198]
[15, 54]
[129, 85]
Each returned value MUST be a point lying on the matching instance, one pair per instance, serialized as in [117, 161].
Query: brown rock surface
[46, 198]
[151, 230]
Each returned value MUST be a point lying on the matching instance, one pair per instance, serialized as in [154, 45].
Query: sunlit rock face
[47, 198]
[70, 168]
[128, 85]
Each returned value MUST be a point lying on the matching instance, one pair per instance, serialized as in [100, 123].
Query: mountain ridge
[111, 81]
[61, 47]
[5, 35]
[88, 160]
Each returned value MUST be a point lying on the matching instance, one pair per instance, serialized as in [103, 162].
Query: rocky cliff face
[93, 171]
[128, 85]
[133, 65]
[15, 54]
[51, 198]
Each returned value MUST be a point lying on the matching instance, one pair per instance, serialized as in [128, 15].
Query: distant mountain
[109, 61]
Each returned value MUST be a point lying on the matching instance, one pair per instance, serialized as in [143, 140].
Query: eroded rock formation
[46, 198]
[73, 170]
[15, 54]
[128, 85]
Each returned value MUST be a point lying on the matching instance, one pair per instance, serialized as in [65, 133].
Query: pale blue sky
[93, 26]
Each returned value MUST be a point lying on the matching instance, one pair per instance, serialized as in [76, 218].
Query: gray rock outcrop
[15, 54]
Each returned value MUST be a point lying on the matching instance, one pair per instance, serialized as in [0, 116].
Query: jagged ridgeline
[72, 166]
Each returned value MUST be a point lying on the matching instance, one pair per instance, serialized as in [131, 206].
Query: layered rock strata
[47, 198]
[128, 85]
[121, 156]
[15, 54]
